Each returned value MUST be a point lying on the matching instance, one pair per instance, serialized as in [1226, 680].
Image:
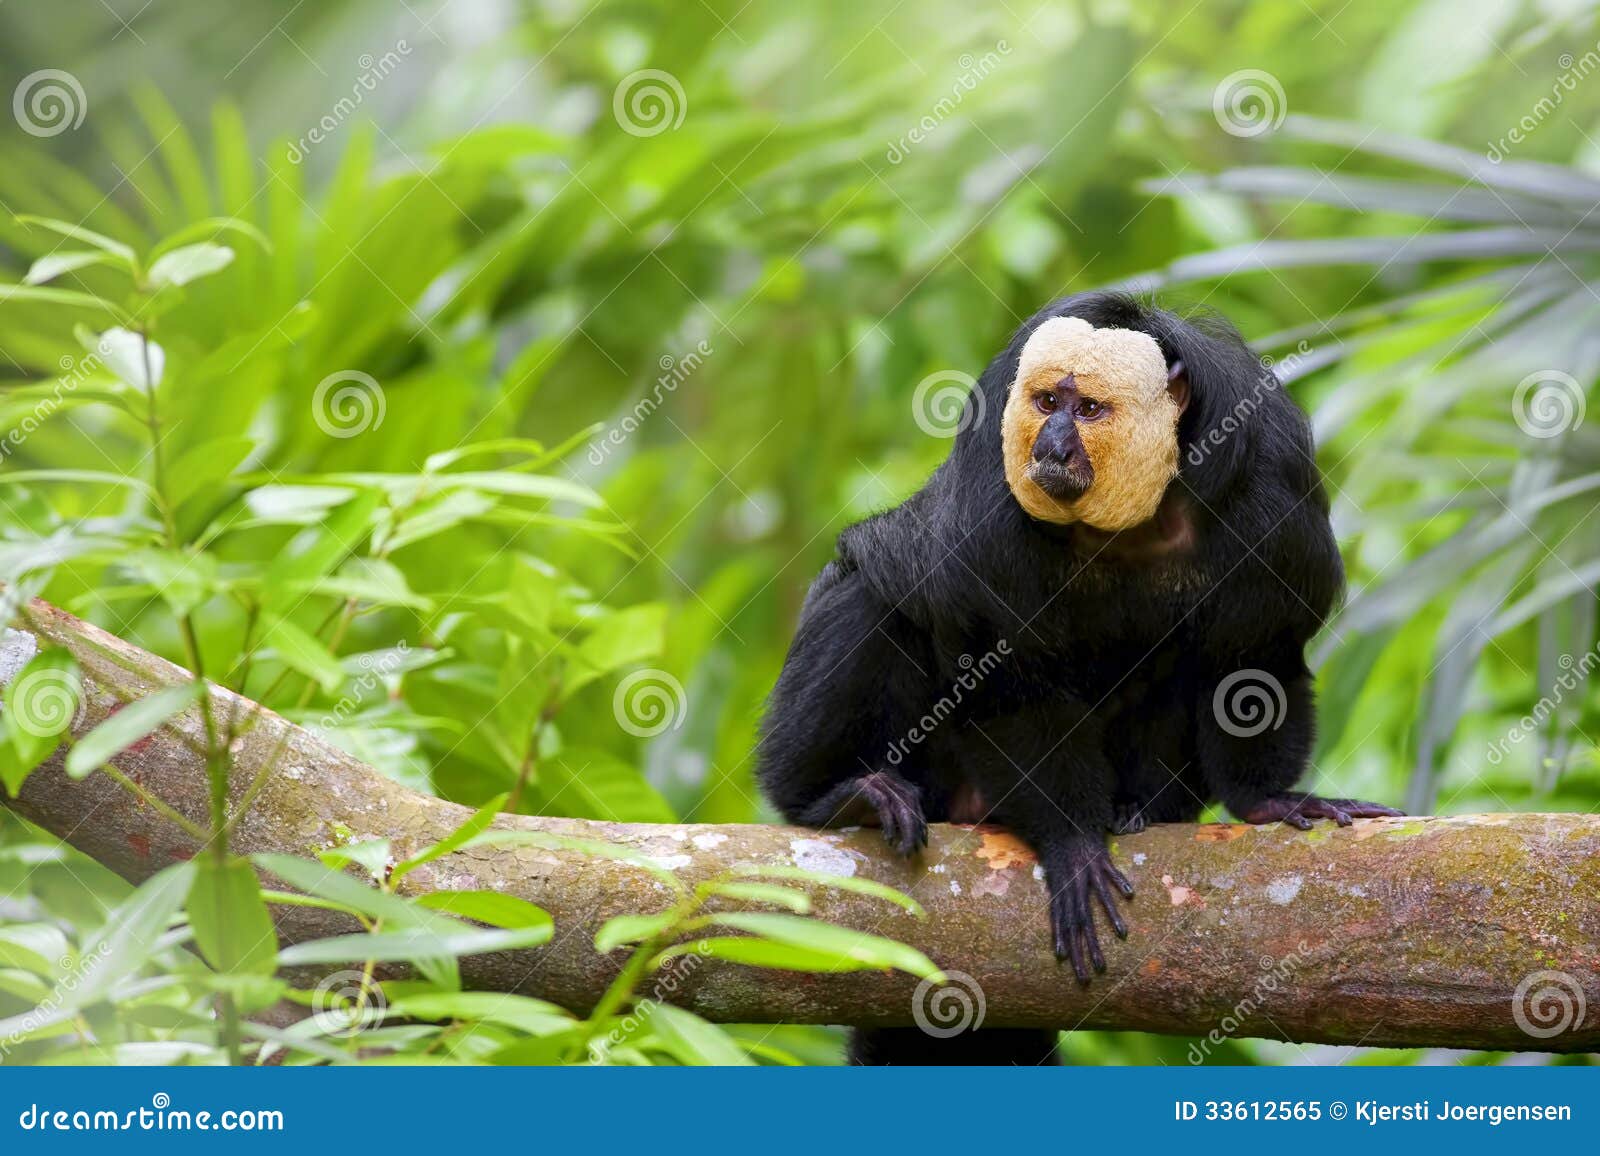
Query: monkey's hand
[879, 799]
[1079, 873]
[1298, 810]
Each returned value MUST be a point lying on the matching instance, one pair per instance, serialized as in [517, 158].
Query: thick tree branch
[1392, 932]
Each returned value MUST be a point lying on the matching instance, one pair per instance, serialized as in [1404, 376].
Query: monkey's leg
[1151, 745]
[878, 799]
[1255, 740]
[840, 714]
[1052, 783]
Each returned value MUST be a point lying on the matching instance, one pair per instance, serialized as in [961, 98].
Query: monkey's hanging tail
[991, 1047]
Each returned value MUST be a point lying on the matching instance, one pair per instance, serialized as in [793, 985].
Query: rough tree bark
[1391, 932]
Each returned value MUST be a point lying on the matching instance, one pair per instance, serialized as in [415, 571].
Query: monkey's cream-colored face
[1090, 429]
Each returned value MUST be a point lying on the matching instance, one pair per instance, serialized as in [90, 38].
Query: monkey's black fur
[1099, 714]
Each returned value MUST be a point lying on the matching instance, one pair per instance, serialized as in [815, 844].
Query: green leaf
[189, 263]
[476, 824]
[134, 358]
[319, 550]
[208, 228]
[53, 265]
[93, 477]
[39, 705]
[411, 946]
[370, 854]
[69, 297]
[797, 901]
[444, 459]
[625, 636]
[830, 939]
[205, 465]
[132, 930]
[295, 505]
[302, 652]
[534, 1016]
[492, 907]
[620, 929]
[850, 883]
[116, 249]
[695, 1041]
[525, 486]
[35, 947]
[229, 918]
[128, 725]
[754, 952]
[320, 880]
[184, 580]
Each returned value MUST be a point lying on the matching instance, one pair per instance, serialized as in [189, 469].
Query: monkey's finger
[1298, 821]
[1110, 904]
[1120, 880]
[1092, 938]
[1075, 920]
[1341, 817]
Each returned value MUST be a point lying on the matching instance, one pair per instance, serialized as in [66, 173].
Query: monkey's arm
[1043, 773]
[834, 739]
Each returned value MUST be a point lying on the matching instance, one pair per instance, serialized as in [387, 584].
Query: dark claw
[1083, 875]
[1299, 810]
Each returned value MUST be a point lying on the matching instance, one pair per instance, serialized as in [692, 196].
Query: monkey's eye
[1089, 409]
[1045, 402]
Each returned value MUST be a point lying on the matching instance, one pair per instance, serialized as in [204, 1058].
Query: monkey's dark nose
[1057, 441]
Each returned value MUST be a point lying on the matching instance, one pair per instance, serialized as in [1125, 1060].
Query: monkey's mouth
[1063, 481]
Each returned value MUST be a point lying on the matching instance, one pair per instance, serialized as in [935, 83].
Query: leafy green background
[621, 389]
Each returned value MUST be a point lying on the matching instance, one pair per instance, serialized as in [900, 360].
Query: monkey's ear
[1178, 385]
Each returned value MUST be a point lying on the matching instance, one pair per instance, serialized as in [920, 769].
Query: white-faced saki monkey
[1130, 522]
